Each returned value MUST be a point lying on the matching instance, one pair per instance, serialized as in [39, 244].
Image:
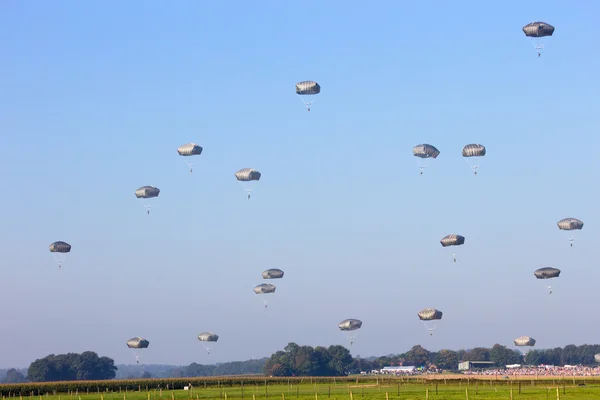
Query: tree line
[296, 360]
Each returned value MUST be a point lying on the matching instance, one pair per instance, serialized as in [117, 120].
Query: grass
[422, 388]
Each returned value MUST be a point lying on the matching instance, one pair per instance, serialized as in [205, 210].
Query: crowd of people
[541, 370]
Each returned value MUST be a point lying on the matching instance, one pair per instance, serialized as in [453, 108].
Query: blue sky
[95, 98]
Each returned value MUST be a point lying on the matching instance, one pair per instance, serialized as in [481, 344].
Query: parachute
[473, 150]
[349, 325]
[535, 31]
[272, 274]
[245, 176]
[189, 149]
[452, 240]
[308, 89]
[147, 192]
[208, 337]
[570, 224]
[60, 250]
[547, 273]
[427, 315]
[424, 152]
[265, 288]
[524, 341]
[136, 344]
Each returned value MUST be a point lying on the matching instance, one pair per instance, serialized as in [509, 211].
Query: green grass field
[433, 388]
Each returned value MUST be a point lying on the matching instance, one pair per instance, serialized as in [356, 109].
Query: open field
[433, 387]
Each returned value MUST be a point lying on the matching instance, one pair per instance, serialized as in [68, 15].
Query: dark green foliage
[71, 367]
[307, 361]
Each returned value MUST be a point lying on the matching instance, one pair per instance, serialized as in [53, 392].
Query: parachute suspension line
[538, 46]
[422, 164]
[247, 190]
[428, 328]
[308, 104]
[473, 167]
[60, 259]
[148, 207]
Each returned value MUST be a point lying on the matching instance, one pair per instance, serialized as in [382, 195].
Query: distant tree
[477, 354]
[569, 355]
[146, 375]
[534, 357]
[446, 359]
[502, 356]
[14, 376]
[71, 366]
[340, 361]
[417, 356]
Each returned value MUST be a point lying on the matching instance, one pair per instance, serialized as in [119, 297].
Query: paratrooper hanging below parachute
[535, 31]
[247, 175]
[147, 192]
[137, 343]
[452, 240]
[424, 152]
[60, 250]
[308, 88]
[265, 288]
[547, 273]
[189, 149]
[473, 150]
[349, 325]
[570, 224]
[208, 337]
[429, 314]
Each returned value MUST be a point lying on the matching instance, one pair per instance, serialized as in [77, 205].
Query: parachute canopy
[547, 273]
[473, 150]
[452, 240]
[538, 29]
[425, 151]
[147, 192]
[273, 273]
[208, 337]
[428, 314]
[189, 149]
[308, 87]
[350, 324]
[137, 343]
[264, 288]
[569, 224]
[248, 174]
[524, 341]
[60, 247]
